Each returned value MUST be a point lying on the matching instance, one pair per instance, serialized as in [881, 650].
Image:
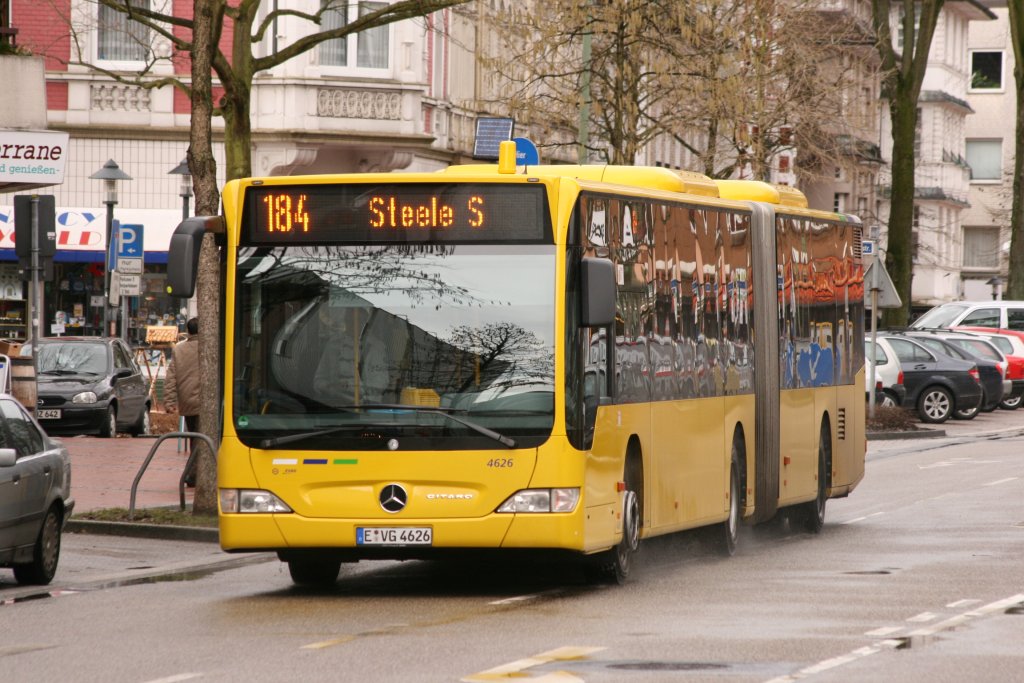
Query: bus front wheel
[613, 566]
[311, 572]
[728, 532]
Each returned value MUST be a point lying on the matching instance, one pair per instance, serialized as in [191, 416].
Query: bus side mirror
[598, 289]
[183, 254]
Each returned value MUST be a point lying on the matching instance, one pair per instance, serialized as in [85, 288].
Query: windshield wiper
[445, 412]
[436, 410]
[291, 438]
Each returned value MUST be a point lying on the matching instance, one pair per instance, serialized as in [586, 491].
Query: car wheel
[888, 400]
[968, 413]
[41, 570]
[1011, 403]
[142, 426]
[935, 405]
[109, 427]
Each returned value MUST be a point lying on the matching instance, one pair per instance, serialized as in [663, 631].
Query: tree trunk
[1015, 286]
[899, 256]
[204, 178]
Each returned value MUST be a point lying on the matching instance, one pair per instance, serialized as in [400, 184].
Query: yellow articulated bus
[565, 359]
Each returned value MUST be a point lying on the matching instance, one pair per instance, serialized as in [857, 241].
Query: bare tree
[733, 83]
[198, 39]
[902, 76]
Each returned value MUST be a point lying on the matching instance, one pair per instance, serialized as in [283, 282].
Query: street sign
[129, 284]
[879, 286]
[526, 152]
[130, 254]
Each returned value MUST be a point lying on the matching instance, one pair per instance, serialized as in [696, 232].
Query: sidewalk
[102, 472]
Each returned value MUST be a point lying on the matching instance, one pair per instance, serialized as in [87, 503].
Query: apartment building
[989, 151]
[394, 97]
[942, 174]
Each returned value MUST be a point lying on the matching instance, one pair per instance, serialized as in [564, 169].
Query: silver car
[35, 495]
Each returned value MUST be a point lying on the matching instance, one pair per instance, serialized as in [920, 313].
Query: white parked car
[887, 372]
[1005, 314]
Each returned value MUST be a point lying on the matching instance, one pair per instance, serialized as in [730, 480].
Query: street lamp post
[109, 174]
[186, 185]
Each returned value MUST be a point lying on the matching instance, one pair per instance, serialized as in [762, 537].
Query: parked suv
[1005, 314]
[937, 385]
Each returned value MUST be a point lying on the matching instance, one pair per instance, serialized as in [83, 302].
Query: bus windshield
[394, 346]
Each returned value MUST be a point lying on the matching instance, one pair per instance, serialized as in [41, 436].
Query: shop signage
[33, 157]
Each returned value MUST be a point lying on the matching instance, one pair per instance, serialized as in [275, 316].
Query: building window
[981, 248]
[839, 201]
[364, 50]
[985, 157]
[118, 38]
[987, 70]
[784, 163]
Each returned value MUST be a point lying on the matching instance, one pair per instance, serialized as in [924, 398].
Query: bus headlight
[250, 500]
[542, 500]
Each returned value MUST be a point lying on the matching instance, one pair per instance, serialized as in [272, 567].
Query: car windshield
[83, 358]
[940, 316]
[355, 344]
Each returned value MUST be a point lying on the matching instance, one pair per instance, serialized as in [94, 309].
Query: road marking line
[884, 631]
[1000, 481]
[923, 616]
[893, 643]
[515, 669]
[962, 603]
[861, 519]
[518, 598]
[328, 643]
[175, 678]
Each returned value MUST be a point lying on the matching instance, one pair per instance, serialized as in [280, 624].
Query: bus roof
[649, 177]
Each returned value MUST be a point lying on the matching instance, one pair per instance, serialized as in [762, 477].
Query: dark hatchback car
[35, 495]
[937, 385]
[989, 372]
[90, 385]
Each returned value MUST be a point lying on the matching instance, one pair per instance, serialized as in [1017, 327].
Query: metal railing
[184, 472]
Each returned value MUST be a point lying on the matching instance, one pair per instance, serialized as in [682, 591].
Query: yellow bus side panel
[690, 463]
[798, 445]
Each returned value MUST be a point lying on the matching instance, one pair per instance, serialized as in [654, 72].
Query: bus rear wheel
[314, 573]
[729, 530]
[813, 513]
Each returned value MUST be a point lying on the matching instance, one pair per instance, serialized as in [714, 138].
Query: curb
[909, 434]
[162, 532]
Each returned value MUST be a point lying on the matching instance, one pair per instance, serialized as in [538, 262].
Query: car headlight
[85, 397]
[250, 500]
[542, 500]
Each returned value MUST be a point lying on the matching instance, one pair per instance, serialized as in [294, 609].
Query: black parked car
[35, 495]
[937, 385]
[89, 385]
[989, 371]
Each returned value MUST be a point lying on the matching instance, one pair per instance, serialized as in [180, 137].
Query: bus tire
[729, 530]
[614, 566]
[813, 513]
[314, 572]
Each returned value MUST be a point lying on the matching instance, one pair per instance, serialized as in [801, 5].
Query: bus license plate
[49, 414]
[394, 535]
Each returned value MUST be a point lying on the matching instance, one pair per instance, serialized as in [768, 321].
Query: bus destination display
[368, 213]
